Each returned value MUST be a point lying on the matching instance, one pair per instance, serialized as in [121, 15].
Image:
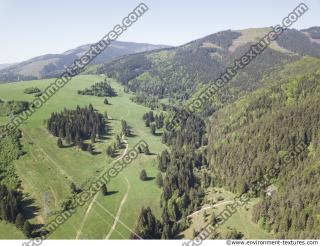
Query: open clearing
[241, 220]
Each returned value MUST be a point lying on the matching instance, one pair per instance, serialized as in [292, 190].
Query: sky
[37, 27]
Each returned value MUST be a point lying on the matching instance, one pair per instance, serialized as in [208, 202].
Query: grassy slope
[47, 169]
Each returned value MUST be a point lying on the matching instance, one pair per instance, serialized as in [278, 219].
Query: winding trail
[208, 207]
[120, 209]
[95, 197]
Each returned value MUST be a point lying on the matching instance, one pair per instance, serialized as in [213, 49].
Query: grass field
[9, 231]
[47, 171]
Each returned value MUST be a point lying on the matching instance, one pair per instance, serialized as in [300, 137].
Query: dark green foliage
[164, 160]
[10, 150]
[262, 130]
[184, 67]
[148, 227]
[10, 204]
[77, 125]
[32, 90]
[101, 89]
[143, 175]
[125, 128]
[298, 42]
[10, 198]
[177, 73]
[106, 101]
[153, 121]
[13, 107]
[186, 129]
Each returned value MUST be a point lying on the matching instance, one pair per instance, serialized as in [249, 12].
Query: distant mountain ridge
[3, 66]
[51, 65]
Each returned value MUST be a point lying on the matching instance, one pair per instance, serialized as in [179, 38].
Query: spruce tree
[143, 175]
[104, 190]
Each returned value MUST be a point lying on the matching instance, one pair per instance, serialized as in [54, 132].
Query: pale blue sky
[34, 27]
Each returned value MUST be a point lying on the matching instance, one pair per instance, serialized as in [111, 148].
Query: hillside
[177, 73]
[250, 136]
[48, 66]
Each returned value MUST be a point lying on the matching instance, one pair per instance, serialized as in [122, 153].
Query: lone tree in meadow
[143, 175]
[104, 190]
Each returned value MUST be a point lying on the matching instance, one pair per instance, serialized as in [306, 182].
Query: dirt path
[120, 209]
[208, 207]
[86, 216]
[95, 197]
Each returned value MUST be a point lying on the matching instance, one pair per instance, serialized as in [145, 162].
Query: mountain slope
[51, 65]
[250, 136]
[178, 72]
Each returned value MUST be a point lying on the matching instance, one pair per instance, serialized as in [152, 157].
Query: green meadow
[46, 171]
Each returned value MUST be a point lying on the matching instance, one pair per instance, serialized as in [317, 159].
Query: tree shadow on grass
[150, 178]
[29, 209]
[112, 193]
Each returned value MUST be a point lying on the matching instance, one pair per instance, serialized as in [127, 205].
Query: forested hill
[178, 72]
[249, 137]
